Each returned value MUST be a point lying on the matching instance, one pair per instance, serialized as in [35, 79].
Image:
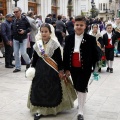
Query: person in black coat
[48, 19]
[80, 53]
[109, 39]
[7, 39]
[70, 26]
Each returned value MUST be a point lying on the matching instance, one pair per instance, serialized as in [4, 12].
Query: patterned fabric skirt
[48, 94]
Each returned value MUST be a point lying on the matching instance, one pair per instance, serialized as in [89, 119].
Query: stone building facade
[44, 7]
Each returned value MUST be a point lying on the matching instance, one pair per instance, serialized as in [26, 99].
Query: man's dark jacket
[22, 23]
[6, 31]
[88, 52]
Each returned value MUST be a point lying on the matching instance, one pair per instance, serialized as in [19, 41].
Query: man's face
[79, 27]
[17, 12]
[10, 19]
[109, 29]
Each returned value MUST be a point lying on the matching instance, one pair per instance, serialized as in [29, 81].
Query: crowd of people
[86, 45]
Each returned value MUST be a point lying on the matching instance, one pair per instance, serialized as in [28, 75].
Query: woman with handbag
[49, 93]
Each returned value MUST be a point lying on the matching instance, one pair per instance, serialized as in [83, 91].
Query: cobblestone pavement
[103, 100]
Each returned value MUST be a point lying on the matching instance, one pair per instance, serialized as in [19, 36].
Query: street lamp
[93, 5]
[16, 2]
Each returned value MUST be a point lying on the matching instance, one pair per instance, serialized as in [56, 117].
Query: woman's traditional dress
[99, 41]
[48, 93]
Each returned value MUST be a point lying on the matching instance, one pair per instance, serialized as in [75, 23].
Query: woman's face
[95, 28]
[45, 33]
[79, 27]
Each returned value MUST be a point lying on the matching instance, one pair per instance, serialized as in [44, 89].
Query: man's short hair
[109, 24]
[30, 13]
[59, 17]
[80, 18]
[18, 8]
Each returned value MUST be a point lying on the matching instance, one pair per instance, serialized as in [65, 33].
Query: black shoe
[116, 55]
[12, 65]
[107, 69]
[99, 70]
[80, 117]
[27, 66]
[8, 66]
[16, 70]
[111, 70]
[37, 116]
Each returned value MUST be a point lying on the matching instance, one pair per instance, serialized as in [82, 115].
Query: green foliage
[94, 12]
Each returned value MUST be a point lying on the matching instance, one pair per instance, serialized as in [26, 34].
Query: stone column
[39, 7]
[9, 6]
[45, 8]
[77, 7]
[23, 4]
[63, 7]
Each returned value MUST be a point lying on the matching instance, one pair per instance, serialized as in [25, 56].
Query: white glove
[30, 73]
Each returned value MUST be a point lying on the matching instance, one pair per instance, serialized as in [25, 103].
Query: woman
[48, 93]
[95, 31]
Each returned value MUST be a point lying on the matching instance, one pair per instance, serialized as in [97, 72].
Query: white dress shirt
[110, 37]
[78, 40]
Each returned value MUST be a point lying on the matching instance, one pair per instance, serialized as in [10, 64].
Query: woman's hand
[67, 73]
[61, 74]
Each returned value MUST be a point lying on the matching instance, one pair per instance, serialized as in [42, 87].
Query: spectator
[1, 41]
[60, 29]
[39, 21]
[7, 39]
[70, 26]
[20, 29]
[33, 32]
[48, 19]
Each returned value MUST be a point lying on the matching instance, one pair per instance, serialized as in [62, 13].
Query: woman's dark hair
[47, 26]
[80, 18]
[94, 25]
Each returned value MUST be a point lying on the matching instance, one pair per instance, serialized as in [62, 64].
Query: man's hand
[61, 74]
[21, 31]
[67, 72]
[9, 43]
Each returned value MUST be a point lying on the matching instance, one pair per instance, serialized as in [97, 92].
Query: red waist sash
[109, 45]
[76, 60]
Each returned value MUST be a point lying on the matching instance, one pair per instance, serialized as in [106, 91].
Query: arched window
[103, 6]
[99, 7]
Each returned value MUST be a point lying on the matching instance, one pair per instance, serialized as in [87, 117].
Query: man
[117, 32]
[80, 53]
[39, 21]
[70, 26]
[33, 32]
[7, 39]
[20, 29]
[1, 41]
[48, 19]
[60, 29]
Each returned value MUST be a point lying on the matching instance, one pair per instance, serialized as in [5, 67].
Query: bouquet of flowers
[103, 61]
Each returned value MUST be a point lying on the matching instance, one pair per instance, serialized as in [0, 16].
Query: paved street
[103, 101]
